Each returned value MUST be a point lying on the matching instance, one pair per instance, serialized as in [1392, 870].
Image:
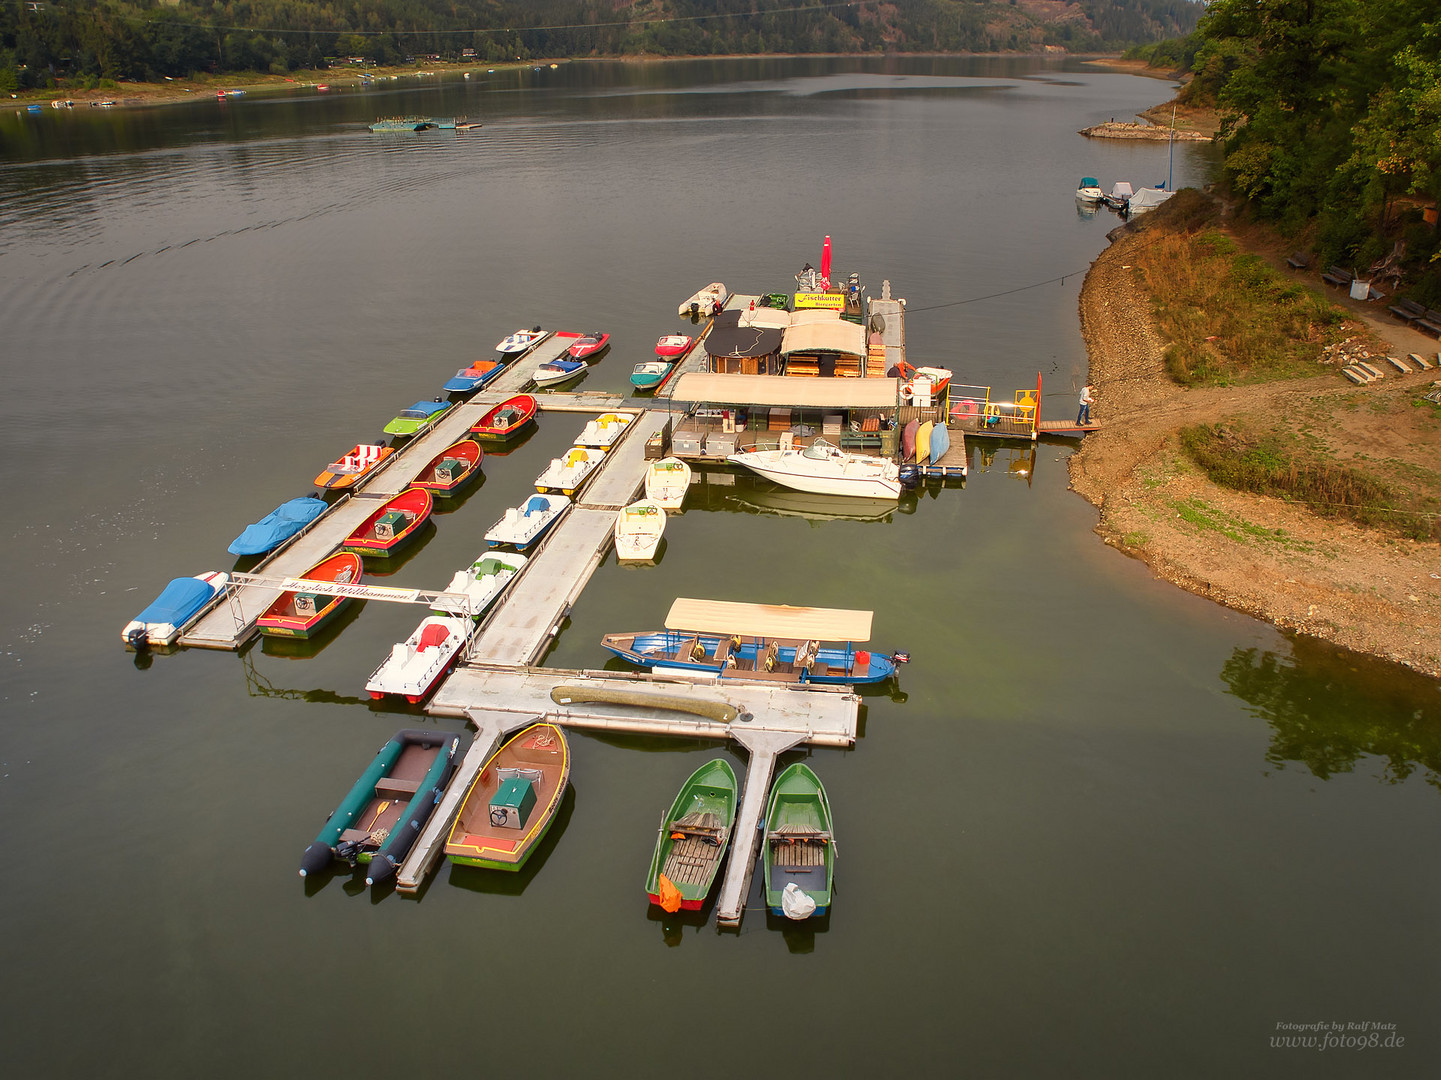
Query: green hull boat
[799, 847]
[693, 838]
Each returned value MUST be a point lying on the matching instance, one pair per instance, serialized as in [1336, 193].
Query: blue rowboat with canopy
[760, 643]
[276, 527]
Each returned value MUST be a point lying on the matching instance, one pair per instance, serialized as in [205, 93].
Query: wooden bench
[1431, 323]
[1408, 311]
[1338, 276]
[1298, 260]
[391, 788]
[798, 853]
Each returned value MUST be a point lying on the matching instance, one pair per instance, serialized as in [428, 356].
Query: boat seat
[389, 786]
[798, 853]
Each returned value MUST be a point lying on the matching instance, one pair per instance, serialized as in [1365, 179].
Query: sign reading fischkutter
[1323, 1035]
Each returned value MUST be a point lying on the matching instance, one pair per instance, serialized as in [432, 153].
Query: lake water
[1102, 827]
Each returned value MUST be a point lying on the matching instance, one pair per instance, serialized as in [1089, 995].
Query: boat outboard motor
[138, 639]
[910, 476]
[349, 851]
[381, 870]
[900, 658]
[316, 858]
[694, 308]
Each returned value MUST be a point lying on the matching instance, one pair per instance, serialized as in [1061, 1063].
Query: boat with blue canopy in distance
[759, 643]
[178, 603]
[278, 526]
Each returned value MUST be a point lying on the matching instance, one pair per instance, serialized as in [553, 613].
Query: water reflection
[514, 882]
[1328, 707]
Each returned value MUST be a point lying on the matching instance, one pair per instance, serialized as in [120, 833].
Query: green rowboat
[799, 847]
[693, 837]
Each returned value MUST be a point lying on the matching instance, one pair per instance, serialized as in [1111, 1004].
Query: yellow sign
[820, 300]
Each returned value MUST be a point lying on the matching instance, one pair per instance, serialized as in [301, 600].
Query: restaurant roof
[780, 390]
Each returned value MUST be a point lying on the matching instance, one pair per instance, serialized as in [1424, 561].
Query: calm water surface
[1101, 828]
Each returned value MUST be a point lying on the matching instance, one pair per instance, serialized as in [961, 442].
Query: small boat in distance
[378, 821]
[420, 415]
[693, 838]
[667, 481]
[567, 474]
[825, 469]
[512, 801]
[392, 525]
[522, 525]
[522, 341]
[484, 580]
[800, 849]
[1089, 190]
[506, 419]
[604, 430]
[346, 472]
[406, 123]
[300, 613]
[588, 345]
[1120, 196]
[705, 301]
[673, 345]
[416, 664]
[451, 469]
[468, 380]
[555, 372]
[276, 527]
[649, 374]
[638, 529]
[165, 616]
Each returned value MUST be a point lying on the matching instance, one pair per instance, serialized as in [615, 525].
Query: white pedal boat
[568, 473]
[483, 581]
[522, 525]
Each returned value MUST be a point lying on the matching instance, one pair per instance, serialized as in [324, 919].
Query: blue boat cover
[179, 600]
[280, 524]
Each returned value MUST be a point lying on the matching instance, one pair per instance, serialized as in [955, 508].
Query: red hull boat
[299, 614]
[588, 346]
[506, 419]
[392, 526]
[451, 469]
[672, 345]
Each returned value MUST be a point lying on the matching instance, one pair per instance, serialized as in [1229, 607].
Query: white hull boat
[667, 481]
[704, 301]
[638, 529]
[523, 524]
[484, 580]
[1089, 190]
[568, 473]
[519, 342]
[604, 430]
[825, 470]
[161, 622]
[417, 663]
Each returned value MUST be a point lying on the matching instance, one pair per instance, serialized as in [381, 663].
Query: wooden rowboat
[693, 838]
[297, 613]
[506, 419]
[392, 526]
[381, 817]
[799, 847]
[512, 801]
[451, 469]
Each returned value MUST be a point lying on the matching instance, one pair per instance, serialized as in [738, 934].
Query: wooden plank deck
[1064, 427]
[953, 462]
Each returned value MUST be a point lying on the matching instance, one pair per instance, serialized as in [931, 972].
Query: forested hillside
[1332, 124]
[150, 39]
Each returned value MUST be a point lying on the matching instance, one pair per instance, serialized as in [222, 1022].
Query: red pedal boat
[505, 419]
[392, 526]
[672, 345]
[451, 469]
[588, 346]
[300, 614]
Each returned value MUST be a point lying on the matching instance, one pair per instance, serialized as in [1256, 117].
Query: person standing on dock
[1088, 398]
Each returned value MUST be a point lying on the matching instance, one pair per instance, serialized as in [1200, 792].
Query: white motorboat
[604, 430]
[519, 342]
[704, 302]
[416, 664]
[1120, 195]
[667, 481]
[483, 580]
[1089, 190]
[638, 529]
[180, 601]
[522, 525]
[568, 473]
[555, 372]
[826, 470]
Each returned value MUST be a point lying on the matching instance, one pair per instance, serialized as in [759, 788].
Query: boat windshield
[820, 449]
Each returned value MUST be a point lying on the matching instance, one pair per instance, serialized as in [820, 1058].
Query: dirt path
[1271, 559]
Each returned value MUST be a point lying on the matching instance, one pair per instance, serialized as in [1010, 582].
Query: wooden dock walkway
[773, 718]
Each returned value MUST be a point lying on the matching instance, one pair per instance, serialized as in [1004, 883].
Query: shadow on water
[304, 648]
[514, 882]
[673, 925]
[385, 567]
[257, 685]
[1328, 708]
[800, 935]
[449, 505]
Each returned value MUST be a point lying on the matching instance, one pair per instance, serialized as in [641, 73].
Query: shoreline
[1369, 592]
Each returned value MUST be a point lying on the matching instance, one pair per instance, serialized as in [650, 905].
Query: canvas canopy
[831, 336]
[782, 390]
[769, 620]
[728, 338]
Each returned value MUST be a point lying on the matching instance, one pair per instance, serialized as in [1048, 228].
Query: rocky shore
[1363, 589]
[1116, 129]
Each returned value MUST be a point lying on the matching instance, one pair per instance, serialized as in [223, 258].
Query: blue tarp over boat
[279, 525]
[179, 600]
